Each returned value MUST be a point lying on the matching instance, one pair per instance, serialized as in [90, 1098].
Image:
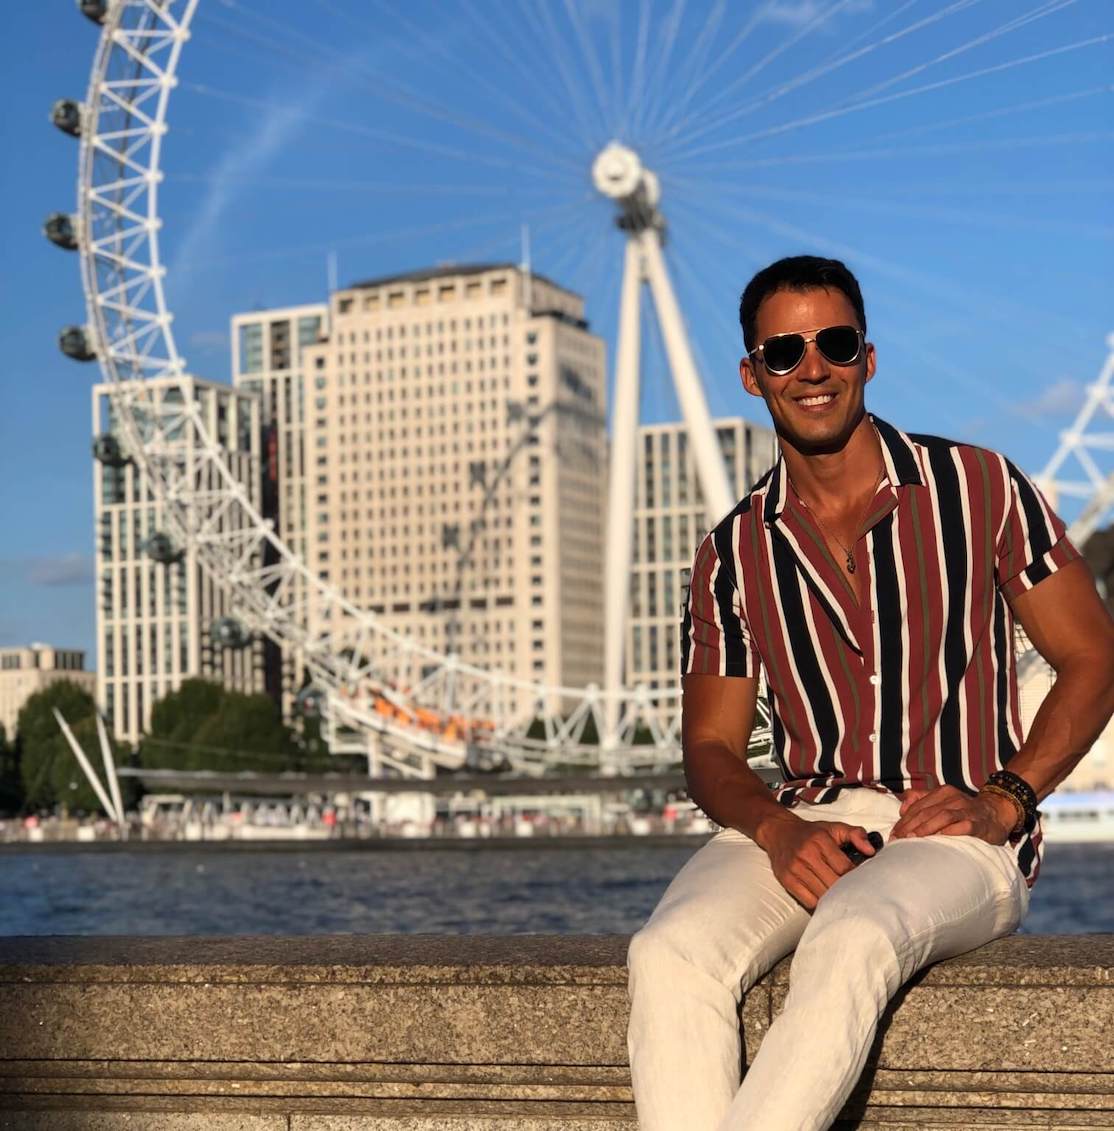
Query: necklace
[849, 552]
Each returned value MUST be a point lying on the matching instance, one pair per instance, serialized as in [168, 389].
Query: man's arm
[1072, 629]
[716, 722]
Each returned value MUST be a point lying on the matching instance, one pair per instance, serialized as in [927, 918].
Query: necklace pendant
[850, 562]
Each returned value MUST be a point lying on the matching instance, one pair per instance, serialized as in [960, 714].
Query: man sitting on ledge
[874, 576]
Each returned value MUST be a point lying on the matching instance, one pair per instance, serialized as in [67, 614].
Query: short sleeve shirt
[916, 686]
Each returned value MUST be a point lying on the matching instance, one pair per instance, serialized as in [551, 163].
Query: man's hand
[806, 855]
[952, 812]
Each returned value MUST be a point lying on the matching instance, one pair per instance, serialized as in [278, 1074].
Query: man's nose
[814, 365]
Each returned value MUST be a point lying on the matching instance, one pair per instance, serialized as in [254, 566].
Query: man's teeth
[822, 399]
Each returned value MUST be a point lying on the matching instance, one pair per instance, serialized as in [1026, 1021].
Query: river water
[558, 887]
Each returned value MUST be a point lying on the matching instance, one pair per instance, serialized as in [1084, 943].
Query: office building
[155, 604]
[456, 466]
[267, 348]
[23, 671]
[670, 519]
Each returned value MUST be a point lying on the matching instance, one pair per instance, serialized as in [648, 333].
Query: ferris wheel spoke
[991, 307]
[879, 206]
[490, 30]
[406, 141]
[433, 46]
[1050, 7]
[870, 103]
[886, 153]
[756, 18]
[592, 62]
[392, 90]
[997, 112]
[809, 76]
[589, 117]
[687, 73]
[339, 184]
[635, 96]
[658, 83]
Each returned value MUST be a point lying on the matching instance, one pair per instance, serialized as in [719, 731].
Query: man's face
[817, 405]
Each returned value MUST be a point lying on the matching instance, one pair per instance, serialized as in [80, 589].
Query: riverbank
[358, 844]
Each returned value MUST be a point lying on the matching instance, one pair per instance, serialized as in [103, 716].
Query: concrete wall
[381, 1033]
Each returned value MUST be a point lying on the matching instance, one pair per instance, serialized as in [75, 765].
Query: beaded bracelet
[1016, 787]
[1019, 824]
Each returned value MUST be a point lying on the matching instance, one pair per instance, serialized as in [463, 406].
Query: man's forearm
[730, 792]
[1072, 716]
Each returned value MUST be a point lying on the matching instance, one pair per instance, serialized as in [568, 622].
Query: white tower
[618, 173]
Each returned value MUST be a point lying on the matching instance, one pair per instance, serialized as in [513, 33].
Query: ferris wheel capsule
[76, 342]
[107, 450]
[308, 702]
[95, 10]
[161, 549]
[228, 632]
[59, 228]
[68, 116]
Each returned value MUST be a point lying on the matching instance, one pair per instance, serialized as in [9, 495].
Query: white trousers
[724, 921]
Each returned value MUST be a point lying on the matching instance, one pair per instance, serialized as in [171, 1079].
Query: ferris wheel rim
[123, 365]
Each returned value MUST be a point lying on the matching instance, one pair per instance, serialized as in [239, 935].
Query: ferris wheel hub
[618, 173]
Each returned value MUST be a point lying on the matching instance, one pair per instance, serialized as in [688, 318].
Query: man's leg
[918, 901]
[722, 923]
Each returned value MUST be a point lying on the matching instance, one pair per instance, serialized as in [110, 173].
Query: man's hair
[797, 273]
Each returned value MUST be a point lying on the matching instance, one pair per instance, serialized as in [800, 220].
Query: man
[874, 577]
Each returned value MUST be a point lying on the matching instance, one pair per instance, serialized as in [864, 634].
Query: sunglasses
[782, 353]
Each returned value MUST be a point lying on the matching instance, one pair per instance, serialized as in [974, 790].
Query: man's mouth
[816, 400]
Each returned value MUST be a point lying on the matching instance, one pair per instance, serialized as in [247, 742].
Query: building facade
[455, 449]
[267, 360]
[670, 519]
[155, 605]
[23, 671]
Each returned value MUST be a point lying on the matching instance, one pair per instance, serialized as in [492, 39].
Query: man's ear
[871, 361]
[749, 377]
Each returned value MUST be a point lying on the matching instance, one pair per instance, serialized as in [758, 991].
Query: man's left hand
[951, 812]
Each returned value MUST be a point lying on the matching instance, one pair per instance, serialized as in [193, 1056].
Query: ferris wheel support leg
[710, 468]
[620, 500]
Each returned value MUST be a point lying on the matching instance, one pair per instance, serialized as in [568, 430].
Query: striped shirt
[915, 688]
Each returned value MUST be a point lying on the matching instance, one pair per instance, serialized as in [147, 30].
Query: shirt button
[873, 737]
[876, 679]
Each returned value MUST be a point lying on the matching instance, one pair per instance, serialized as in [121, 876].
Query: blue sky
[956, 153]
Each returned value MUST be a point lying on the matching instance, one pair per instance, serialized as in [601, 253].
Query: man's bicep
[719, 709]
[1064, 616]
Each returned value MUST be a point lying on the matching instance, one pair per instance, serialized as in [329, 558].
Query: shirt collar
[901, 456]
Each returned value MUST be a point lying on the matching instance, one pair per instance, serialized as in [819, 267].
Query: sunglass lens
[782, 353]
[839, 344]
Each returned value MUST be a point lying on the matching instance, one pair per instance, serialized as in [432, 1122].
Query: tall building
[267, 349]
[456, 465]
[23, 671]
[670, 519]
[155, 605]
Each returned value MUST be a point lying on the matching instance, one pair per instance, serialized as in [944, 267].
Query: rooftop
[448, 270]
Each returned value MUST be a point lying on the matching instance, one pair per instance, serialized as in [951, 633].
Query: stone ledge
[358, 1033]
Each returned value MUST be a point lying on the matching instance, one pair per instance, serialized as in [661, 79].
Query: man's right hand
[807, 857]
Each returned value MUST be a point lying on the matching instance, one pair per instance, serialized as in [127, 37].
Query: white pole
[719, 497]
[110, 770]
[621, 482]
[528, 297]
[83, 762]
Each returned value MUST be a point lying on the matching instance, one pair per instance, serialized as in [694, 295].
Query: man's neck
[833, 481]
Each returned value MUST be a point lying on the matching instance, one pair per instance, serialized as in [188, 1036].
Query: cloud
[1061, 398]
[61, 571]
[800, 13]
[206, 341]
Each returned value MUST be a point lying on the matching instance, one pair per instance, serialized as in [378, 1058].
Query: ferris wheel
[116, 230]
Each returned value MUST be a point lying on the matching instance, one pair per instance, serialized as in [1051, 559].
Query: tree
[11, 788]
[48, 769]
[204, 726]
